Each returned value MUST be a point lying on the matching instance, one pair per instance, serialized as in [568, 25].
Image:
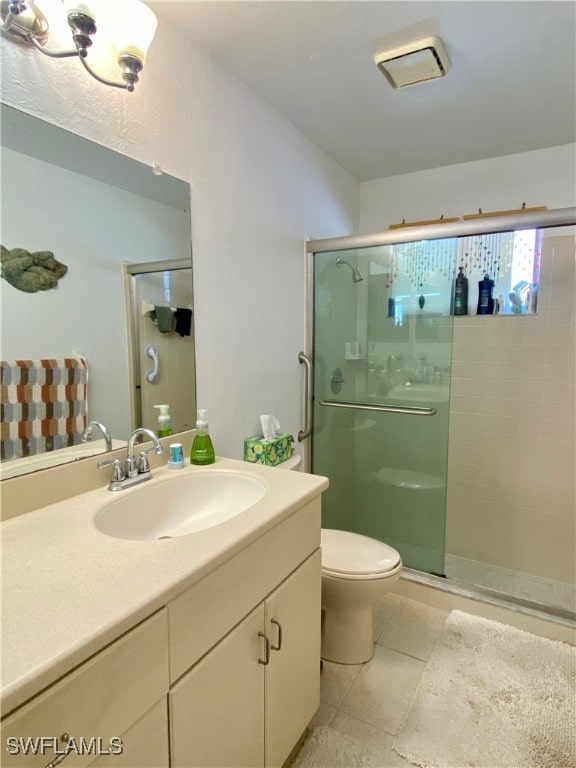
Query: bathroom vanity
[199, 650]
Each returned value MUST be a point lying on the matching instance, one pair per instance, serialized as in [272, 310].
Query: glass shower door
[382, 355]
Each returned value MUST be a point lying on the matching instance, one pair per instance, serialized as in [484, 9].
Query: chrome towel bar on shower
[411, 411]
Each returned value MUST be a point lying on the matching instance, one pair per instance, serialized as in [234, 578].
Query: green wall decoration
[30, 272]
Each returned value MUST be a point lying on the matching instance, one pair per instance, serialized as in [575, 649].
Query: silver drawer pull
[266, 659]
[277, 647]
[65, 738]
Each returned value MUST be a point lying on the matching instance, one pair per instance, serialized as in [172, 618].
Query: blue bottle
[485, 300]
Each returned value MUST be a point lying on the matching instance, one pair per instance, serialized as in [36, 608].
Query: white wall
[542, 177]
[259, 189]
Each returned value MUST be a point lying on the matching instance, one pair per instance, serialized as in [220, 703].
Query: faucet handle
[143, 463]
[117, 473]
[131, 466]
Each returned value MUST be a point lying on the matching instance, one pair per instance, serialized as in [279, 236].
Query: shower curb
[480, 594]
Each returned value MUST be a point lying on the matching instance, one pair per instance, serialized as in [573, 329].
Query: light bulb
[134, 28]
[87, 9]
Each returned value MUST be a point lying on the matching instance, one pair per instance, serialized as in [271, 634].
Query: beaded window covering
[44, 405]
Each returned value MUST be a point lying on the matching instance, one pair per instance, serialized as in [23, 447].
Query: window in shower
[511, 260]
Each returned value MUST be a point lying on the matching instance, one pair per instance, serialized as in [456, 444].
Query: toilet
[356, 572]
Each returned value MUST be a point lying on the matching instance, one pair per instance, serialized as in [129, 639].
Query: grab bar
[304, 433]
[152, 353]
[415, 411]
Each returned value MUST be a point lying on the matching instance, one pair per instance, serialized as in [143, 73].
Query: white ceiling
[511, 87]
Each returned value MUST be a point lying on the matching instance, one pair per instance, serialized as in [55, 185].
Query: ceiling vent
[425, 59]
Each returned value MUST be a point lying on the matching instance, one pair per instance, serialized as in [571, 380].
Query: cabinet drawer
[145, 744]
[95, 704]
[208, 610]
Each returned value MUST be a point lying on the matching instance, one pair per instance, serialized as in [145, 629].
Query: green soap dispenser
[202, 449]
[164, 428]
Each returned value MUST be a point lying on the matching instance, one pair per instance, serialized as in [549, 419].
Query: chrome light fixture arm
[131, 66]
[55, 54]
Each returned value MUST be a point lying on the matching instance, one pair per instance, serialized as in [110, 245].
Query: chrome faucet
[143, 465]
[134, 471]
[87, 434]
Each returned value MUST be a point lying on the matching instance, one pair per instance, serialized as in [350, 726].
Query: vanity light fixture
[134, 25]
[425, 59]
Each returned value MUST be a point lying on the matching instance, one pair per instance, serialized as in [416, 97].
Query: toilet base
[347, 635]
[348, 626]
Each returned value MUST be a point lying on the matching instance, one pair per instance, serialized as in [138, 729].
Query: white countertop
[68, 589]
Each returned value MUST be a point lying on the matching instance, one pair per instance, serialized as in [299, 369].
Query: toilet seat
[353, 556]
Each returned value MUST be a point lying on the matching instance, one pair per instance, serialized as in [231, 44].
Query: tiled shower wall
[511, 509]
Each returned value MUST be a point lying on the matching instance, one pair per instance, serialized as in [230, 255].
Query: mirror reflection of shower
[357, 276]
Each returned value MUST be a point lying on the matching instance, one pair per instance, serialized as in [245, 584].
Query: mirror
[98, 212]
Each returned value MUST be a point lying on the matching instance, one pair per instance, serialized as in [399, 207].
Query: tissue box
[272, 451]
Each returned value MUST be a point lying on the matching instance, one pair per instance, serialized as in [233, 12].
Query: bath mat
[328, 748]
[492, 696]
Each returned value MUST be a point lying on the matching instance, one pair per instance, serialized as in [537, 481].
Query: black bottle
[460, 305]
[485, 300]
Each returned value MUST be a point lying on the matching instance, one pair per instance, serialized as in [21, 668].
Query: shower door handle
[382, 407]
[304, 433]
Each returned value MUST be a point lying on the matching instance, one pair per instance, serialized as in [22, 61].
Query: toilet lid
[345, 552]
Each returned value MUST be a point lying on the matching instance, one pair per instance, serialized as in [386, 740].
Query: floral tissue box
[272, 451]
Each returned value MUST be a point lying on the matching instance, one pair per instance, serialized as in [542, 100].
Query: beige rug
[492, 696]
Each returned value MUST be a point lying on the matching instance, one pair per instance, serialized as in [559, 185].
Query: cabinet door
[217, 708]
[293, 675]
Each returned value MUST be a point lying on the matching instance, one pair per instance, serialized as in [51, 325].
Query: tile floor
[367, 701]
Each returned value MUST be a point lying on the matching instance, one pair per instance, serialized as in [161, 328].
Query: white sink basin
[179, 505]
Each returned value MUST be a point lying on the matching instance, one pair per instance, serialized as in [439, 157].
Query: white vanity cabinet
[245, 700]
[113, 703]
[226, 673]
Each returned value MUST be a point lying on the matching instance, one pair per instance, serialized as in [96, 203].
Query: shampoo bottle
[485, 300]
[461, 293]
[202, 449]
[164, 428]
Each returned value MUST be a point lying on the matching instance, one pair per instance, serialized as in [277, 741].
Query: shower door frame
[561, 217]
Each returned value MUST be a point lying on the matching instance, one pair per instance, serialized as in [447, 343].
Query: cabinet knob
[53, 763]
[279, 645]
[266, 659]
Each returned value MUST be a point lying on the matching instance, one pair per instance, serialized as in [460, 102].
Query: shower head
[357, 276]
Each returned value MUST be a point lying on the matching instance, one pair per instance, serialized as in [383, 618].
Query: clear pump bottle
[202, 449]
[164, 428]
